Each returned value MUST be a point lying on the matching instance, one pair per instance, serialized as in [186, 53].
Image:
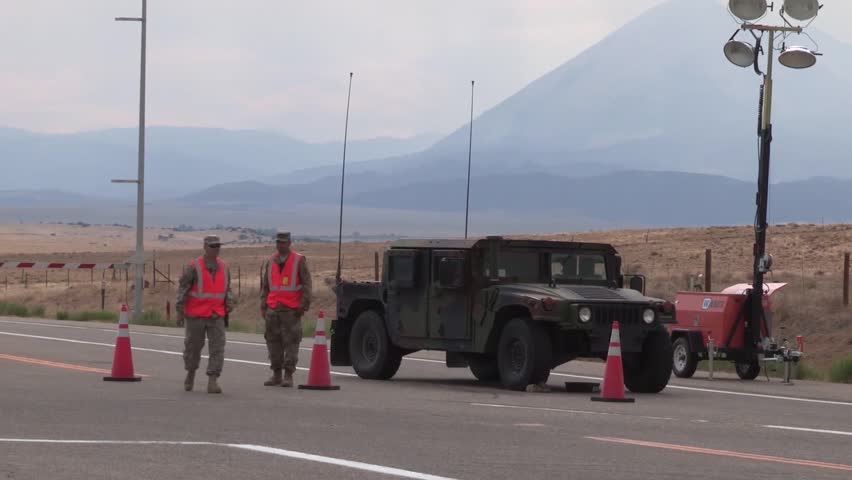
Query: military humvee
[511, 310]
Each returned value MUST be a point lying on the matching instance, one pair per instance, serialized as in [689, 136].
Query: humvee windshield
[566, 266]
[574, 266]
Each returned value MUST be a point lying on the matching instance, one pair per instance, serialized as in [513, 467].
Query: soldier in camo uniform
[204, 297]
[285, 295]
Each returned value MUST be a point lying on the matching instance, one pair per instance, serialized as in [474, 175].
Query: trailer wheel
[684, 361]
[748, 370]
[373, 355]
[650, 370]
[524, 354]
[483, 367]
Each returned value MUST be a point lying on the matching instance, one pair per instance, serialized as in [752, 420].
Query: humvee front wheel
[649, 370]
[373, 355]
[524, 354]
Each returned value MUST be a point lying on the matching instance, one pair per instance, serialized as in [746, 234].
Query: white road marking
[112, 330]
[369, 467]
[541, 409]
[528, 424]
[728, 392]
[415, 359]
[812, 430]
[343, 463]
[167, 352]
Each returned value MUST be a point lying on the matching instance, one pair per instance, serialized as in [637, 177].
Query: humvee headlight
[585, 314]
[648, 316]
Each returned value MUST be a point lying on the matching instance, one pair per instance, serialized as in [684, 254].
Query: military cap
[212, 240]
[282, 236]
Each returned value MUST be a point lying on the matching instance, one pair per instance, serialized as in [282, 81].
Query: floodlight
[739, 53]
[748, 9]
[801, 9]
[797, 57]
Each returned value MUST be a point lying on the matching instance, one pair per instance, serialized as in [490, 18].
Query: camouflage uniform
[283, 325]
[197, 327]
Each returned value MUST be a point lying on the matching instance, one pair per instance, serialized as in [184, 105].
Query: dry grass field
[809, 257]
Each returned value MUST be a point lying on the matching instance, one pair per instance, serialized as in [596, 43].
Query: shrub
[841, 371]
[14, 309]
[152, 318]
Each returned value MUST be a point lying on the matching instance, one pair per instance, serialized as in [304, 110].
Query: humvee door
[407, 293]
[449, 305]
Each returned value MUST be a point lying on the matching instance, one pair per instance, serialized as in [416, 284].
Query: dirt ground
[808, 257]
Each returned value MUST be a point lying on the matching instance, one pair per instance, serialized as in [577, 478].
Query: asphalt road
[60, 420]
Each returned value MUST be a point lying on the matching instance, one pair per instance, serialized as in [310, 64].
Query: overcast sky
[67, 66]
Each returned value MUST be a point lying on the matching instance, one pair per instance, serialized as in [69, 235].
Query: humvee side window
[449, 272]
[520, 266]
[401, 272]
[573, 266]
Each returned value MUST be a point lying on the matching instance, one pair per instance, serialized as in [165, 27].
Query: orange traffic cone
[319, 376]
[122, 361]
[613, 381]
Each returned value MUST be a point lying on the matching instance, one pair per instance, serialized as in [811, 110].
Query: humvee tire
[684, 361]
[524, 354]
[747, 370]
[483, 366]
[373, 356]
[649, 371]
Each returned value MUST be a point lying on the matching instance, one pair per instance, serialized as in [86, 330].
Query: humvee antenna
[342, 177]
[469, 145]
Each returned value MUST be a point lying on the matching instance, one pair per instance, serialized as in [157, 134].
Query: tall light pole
[744, 55]
[342, 178]
[139, 260]
[469, 147]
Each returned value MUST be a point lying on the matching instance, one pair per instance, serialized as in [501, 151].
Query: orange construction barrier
[613, 381]
[319, 376]
[122, 361]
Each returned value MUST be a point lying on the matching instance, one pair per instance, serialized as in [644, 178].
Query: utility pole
[139, 260]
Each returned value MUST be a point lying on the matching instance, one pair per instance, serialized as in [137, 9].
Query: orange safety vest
[207, 295]
[285, 285]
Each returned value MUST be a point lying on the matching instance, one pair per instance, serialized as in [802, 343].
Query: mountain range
[649, 126]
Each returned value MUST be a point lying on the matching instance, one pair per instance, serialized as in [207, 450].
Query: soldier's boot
[288, 379]
[275, 379]
[213, 385]
[189, 382]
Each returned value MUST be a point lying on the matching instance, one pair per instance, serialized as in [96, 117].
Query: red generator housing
[722, 317]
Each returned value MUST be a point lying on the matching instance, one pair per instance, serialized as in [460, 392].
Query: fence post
[26, 280]
[154, 271]
[92, 276]
[708, 269]
[68, 277]
[45, 277]
[846, 279]
[239, 282]
[376, 266]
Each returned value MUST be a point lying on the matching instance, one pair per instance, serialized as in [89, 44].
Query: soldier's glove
[300, 311]
[179, 320]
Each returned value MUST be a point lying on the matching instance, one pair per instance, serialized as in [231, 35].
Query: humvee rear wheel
[372, 354]
[747, 370]
[649, 371]
[524, 354]
[483, 367]
[684, 361]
